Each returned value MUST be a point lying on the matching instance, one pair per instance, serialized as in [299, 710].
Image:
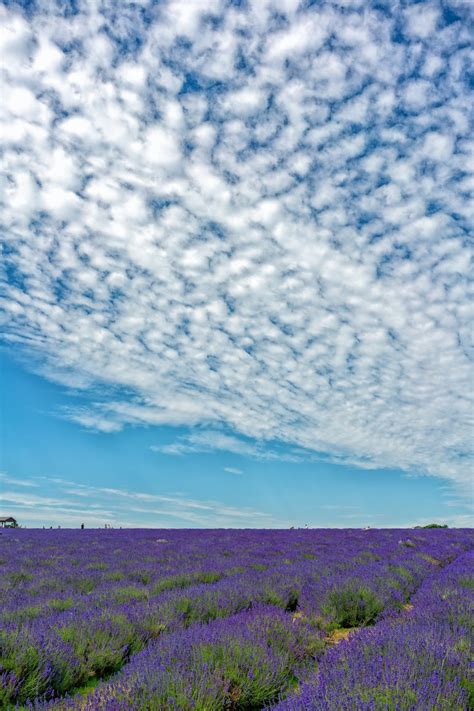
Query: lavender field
[224, 619]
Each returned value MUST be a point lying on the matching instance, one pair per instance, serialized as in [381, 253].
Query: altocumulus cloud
[246, 215]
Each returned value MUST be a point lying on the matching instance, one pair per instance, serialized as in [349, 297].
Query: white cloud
[421, 19]
[161, 147]
[233, 470]
[22, 499]
[91, 420]
[244, 102]
[210, 440]
[252, 229]
[438, 146]
[16, 481]
[61, 204]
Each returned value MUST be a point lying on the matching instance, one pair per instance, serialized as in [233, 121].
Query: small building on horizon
[8, 522]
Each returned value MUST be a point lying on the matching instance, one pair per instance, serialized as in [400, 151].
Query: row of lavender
[415, 661]
[77, 606]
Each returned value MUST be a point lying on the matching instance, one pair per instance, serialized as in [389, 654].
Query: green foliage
[271, 597]
[352, 606]
[97, 566]
[207, 577]
[467, 582]
[151, 626]
[90, 685]
[184, 607]
[61, 605]
[174, 581]
[402, 572]
[29, 612]
[19, 578]
[468, 684]
[130, 592]
[184, 580]
[367, 556]
[7, 690]
[142, 576]
[84, 585]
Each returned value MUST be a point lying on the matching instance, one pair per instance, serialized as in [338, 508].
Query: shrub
[352, 606]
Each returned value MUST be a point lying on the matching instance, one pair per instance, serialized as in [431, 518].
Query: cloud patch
[247, 216]
[17, 481]
[203, 441]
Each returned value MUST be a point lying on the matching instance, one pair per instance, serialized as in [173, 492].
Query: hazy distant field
[210, 620]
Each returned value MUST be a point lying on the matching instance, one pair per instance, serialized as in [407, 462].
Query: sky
[236, 278]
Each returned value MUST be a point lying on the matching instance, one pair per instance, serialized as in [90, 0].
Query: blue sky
[66, 475]
[236, 263]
